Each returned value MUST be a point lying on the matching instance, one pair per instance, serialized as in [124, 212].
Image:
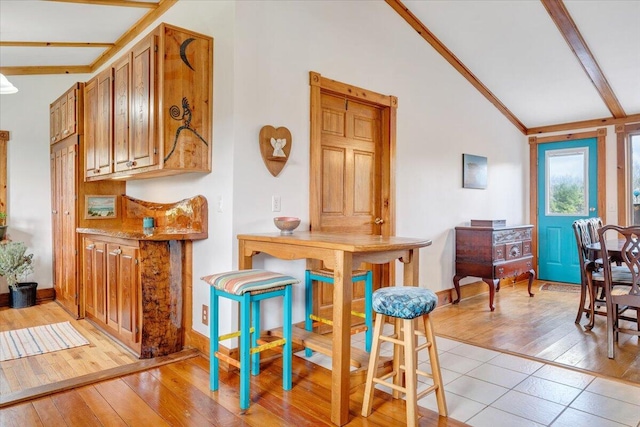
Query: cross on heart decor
[275, 147]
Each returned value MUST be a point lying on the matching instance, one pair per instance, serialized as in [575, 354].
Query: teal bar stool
[326, 276]
[404, 304]
[248, 288]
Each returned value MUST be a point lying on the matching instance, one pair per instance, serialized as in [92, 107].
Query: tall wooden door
[350, 170]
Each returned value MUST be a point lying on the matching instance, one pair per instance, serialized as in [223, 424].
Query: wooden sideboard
[493, 253]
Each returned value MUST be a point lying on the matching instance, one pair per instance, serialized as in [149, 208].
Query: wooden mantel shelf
[183, 220]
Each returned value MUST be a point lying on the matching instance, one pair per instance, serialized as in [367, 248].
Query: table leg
[245, 262]
[411, 276]
[456, 284]
[492, 290]
[340, 374]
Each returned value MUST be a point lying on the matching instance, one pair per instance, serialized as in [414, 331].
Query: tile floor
[488, 388]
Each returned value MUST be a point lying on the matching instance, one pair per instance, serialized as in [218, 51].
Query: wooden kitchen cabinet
[162, 94]
[134, 278]
[133, 291]
[63, 118]
[95, 279]
[122, 293]
[98, 124]
[134, 121]
[68, 191]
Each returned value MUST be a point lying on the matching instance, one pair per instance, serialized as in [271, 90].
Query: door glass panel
[566, 180]
[635, 179]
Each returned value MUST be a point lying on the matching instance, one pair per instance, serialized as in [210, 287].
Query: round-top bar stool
[248, 288]
[404, 304]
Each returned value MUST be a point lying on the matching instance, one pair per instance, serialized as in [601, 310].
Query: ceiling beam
[122, 3]
[54, 44]
[133, 32]
[426, 34]
[45, 69]
[560, 15]
[583, 124]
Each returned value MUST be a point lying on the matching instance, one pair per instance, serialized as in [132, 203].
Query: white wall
[264, 51]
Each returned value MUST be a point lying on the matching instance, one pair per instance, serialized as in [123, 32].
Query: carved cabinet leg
[492, 290]
[456, 284]
[532, 275]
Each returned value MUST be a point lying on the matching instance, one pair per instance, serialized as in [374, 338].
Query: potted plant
[14, 266]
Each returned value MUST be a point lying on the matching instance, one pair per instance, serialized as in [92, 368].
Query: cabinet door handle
[379, 221]
[501, 270]
[66, 131]
[53, 138]
[66, 212]
[97, 170]
[54, 211]
[91, 246]
[116, 252]
[131, 163]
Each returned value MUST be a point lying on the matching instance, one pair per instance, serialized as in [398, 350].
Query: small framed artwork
[474, 171]
[101, 207]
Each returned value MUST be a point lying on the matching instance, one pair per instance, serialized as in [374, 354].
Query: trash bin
[22, 295]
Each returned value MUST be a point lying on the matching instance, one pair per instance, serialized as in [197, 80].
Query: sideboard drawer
[514, 250]
[514, 268]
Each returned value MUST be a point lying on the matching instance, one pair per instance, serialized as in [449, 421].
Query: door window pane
[566, 182]
[635, 179]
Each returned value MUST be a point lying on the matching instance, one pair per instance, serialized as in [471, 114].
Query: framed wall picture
[474, 171]
[101, 207]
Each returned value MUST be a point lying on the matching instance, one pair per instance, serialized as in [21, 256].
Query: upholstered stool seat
[325, 275]
[248, 288]
[404, 304]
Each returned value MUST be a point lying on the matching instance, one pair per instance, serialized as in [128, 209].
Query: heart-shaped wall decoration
[275, 147]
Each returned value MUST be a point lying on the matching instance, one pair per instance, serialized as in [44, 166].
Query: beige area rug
[39, 340]
[560, 287]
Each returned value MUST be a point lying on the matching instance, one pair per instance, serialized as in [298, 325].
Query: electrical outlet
[205, 314]
[275, 204]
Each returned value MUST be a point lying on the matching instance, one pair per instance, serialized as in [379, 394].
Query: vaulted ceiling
[545, 64]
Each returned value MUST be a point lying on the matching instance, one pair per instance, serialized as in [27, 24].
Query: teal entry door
[567, 190]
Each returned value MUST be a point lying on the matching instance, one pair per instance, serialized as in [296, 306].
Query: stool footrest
[426, 391]
[232, 335]
[267, 346]
[229, 360]
[391, 338]
[390, 385]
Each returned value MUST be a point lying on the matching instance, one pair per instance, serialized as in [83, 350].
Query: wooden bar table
[340, 252]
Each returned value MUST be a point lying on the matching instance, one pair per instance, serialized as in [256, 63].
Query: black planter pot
[22, 295]
[3, 231]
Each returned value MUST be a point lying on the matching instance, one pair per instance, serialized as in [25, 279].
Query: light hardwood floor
[177, 393]
[541, 327]
[20, 374]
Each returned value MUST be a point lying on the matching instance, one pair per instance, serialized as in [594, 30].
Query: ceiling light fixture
[6, 87]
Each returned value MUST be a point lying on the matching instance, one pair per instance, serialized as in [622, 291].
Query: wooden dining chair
[582, 233]
[586, 233]
[629, 254]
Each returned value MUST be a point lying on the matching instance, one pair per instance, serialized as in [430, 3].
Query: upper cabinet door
[143, 137]
[121, 88]
[54, 121]
[98, 115]
[71, 118]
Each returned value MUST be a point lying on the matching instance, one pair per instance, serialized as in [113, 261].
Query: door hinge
[155, 150]
[136, 261]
